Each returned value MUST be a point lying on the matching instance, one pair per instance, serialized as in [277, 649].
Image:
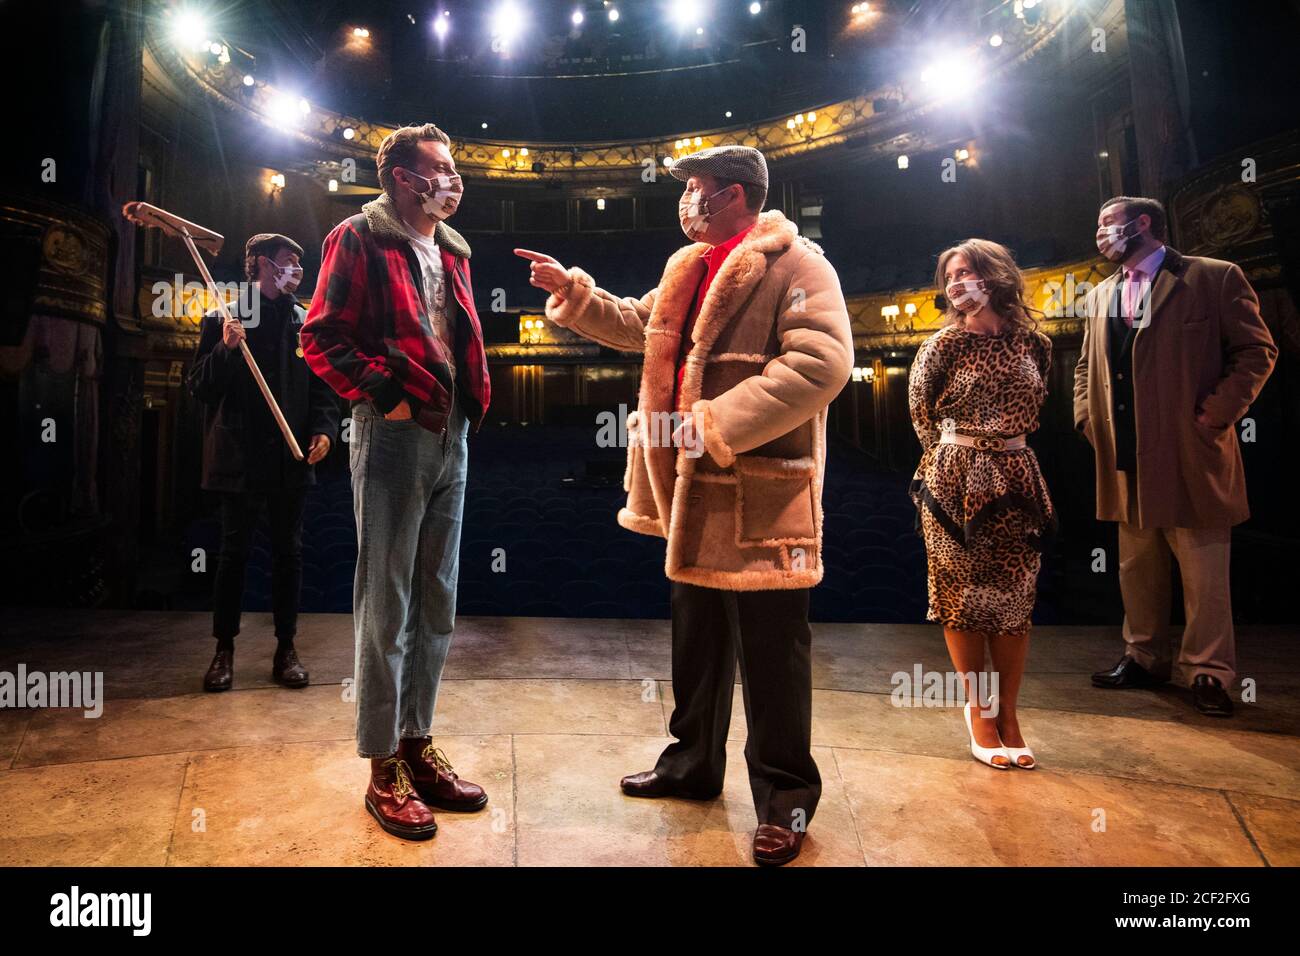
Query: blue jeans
[407, 492]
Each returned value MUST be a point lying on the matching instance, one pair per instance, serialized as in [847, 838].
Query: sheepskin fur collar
[383, 220]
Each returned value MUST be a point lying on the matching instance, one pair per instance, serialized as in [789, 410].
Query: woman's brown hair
[995, 264]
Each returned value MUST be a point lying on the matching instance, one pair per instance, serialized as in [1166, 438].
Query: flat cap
[737, 164]
[266, 244]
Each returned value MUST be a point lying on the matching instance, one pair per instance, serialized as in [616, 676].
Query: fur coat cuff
[714, 443]
[565, 311]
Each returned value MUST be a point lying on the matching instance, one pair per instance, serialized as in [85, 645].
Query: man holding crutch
[245, 457]
[392, 327]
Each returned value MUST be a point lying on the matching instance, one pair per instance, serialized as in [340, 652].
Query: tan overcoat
[1205, 346]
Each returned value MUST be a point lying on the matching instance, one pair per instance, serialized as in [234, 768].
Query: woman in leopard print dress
[983, 509]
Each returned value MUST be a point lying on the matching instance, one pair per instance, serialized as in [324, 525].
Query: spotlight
[728, 114]
[349, 132]
[484, 126]
[951, 74]
[699, 31]
[304, 107]
[577, 18]
[613, 14]
[334, 185]
[189, 30]
[755, 8]
[283, 110]
[684, 13]
[248, 79]
[441, 25]
[507, 23]
[902, 161]
[995, 40]
[361, 33]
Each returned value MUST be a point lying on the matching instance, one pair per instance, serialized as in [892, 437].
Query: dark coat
[243, 449]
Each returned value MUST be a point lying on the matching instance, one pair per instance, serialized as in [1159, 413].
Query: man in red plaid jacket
[392, 327]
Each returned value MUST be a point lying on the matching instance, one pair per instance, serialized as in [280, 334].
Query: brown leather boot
[435, 781]
[393, 802]
[775, 845]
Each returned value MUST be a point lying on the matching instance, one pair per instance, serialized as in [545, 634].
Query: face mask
[967, 294]
[694, 213]
[1111, 241]
[287, 277]
[440, 202]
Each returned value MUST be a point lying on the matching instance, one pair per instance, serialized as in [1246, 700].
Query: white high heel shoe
[985, 755]
[1015, 753]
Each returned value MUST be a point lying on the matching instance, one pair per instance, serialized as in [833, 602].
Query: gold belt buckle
[984, 443]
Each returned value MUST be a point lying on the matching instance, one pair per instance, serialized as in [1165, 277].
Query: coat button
[1120, 407]
[1120, 376]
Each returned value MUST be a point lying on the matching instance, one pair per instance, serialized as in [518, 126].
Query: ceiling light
[600, 204]
[334, 185]
[902, 161]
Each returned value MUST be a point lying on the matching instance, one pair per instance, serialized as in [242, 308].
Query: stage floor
[547, 714]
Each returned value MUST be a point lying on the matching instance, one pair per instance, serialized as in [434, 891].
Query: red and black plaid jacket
[368, 334]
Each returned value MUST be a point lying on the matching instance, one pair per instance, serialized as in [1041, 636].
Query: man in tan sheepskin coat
[746, 341]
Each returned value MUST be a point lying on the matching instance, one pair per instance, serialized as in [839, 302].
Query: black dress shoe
[1127, 673]
[1210, 698]
[221, 672]
[774, 845]
[286, 669]
[647, 783]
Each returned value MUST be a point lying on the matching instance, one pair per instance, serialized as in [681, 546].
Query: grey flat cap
[737, 164]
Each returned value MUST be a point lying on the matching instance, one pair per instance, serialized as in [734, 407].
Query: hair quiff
[399, 149]
[995, 264]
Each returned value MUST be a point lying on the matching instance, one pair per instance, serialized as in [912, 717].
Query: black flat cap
[268, 243]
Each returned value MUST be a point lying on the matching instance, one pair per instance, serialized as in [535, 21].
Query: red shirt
[713, 258]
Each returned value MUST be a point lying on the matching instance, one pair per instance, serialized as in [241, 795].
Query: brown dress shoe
[393, 802]
[221, 672]
[435, 781]
[648, 783]
[286, 669]
[774, 845]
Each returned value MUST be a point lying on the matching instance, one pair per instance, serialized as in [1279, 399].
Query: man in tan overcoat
[746, 341]
[1174, 352]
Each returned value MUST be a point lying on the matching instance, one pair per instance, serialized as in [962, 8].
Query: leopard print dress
[983, 514]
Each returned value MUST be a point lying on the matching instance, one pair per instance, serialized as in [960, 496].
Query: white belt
[983, 442]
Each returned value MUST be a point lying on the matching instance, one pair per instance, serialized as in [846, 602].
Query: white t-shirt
[435, 289]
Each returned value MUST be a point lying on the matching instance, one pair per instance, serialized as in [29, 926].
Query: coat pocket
[774, 501]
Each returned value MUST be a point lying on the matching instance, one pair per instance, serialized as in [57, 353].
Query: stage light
[613, 14]
[334, 185]
[304, 107]
[349, 132]
[902, 161]
[484, 126]
[728, 114]
[755, 8]
[577, 18]
[507, 23]
[248, 79]
[283, 110]
[441, 25]
[951, 75]
[995, 40]
[962, 154]
[189, 30]
[684, 13]
[361, 33]
[277, 180]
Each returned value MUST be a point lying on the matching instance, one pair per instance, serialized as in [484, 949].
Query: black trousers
[768, 631]
[239, 515]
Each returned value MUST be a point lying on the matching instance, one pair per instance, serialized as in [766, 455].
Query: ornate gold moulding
[624, 162]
